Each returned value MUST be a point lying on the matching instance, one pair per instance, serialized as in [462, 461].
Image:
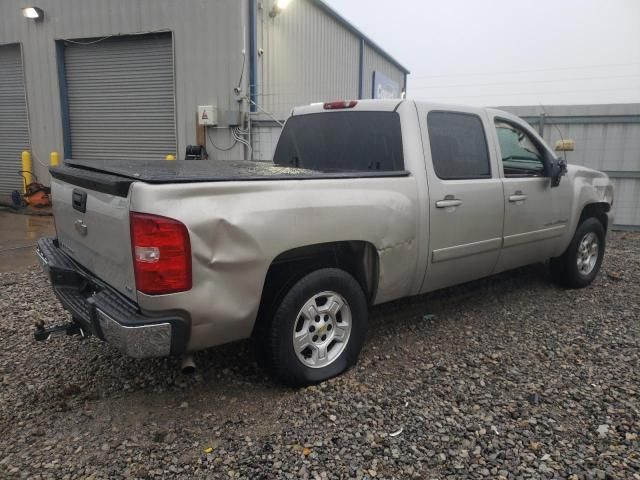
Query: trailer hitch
[41, 334]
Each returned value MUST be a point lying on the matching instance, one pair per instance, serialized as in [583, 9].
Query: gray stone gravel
[509, 377]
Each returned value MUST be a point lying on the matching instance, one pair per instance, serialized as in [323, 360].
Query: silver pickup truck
[365, 202]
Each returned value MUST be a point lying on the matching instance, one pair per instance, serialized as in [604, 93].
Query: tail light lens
[161, 254]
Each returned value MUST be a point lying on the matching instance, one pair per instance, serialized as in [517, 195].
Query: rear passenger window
[458, 146]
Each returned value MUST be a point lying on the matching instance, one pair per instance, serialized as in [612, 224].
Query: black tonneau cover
[116, 176]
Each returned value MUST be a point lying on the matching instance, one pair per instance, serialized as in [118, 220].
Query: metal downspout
[361, 71]
[253, 54]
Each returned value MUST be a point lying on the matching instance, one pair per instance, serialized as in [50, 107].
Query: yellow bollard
[27, 171]
[54, 159]
[170, 157]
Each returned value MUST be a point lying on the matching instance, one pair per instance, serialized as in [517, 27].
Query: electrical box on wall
[207, 115]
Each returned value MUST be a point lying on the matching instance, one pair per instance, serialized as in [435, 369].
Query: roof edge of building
[347, 24]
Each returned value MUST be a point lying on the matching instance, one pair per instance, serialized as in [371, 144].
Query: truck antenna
[564, 152]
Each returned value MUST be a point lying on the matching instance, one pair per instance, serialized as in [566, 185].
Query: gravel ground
[509, 377]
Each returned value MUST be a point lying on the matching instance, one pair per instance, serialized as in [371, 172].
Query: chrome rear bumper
[104, 312]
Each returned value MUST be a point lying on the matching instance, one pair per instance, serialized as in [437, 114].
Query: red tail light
[341, 105]
[161, 254]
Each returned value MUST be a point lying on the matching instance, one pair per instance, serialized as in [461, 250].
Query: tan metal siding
[601, 146]
[627, 202]
[14, 123]
[265, 139]
[308, 57]
[209, 39]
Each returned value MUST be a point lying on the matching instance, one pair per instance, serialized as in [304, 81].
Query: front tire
[318, 328]
[580, 263]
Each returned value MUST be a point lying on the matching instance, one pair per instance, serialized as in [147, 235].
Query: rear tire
[318, 328]
[580, 263]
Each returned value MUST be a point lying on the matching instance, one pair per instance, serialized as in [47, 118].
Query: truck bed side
[238, 228]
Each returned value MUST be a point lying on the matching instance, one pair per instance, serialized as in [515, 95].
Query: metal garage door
[120, 94]
[14, 123]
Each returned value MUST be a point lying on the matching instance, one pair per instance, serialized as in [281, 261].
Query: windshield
[342, 142]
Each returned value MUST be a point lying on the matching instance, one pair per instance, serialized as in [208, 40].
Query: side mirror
[558, 169]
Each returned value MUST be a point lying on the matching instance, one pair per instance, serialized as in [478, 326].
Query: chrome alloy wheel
[588, 251]
[322, 329]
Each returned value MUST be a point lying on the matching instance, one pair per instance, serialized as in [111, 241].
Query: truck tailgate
[93, 228]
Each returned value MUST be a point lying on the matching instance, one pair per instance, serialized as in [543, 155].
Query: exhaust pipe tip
[188, 365]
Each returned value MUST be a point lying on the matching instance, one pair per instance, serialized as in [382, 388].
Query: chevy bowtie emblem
[81, 227]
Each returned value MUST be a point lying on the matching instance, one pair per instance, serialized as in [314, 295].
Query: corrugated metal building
[310, 53]
[124, 78]
[607, 138]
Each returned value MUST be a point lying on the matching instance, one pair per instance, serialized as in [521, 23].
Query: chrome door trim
[534, 236]
[459, 251]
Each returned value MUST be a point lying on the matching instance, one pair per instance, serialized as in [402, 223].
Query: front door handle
[518, 197]
[448, 203]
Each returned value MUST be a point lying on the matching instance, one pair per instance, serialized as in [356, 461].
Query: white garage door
[120, 94]
[14, 123]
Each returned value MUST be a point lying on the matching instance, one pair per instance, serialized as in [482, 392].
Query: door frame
[549, 233]
[470, 249]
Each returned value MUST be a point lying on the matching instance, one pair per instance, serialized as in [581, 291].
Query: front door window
[520, 156]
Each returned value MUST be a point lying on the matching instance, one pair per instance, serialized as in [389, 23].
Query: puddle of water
[18, 236]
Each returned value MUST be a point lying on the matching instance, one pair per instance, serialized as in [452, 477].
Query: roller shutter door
[120, 95]
[14, 123]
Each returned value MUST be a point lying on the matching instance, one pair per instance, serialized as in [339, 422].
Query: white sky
[509, 52]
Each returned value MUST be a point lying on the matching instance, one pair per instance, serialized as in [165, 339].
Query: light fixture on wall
[33, 13]
[278, 7]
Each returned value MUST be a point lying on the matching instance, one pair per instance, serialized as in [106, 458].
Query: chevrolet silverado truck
[365, 202]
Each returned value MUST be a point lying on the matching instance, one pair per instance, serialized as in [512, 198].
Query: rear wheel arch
[318, 328]
[358, 258]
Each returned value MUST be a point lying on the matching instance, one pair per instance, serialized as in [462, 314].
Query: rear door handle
[448, 202]
[518, 197]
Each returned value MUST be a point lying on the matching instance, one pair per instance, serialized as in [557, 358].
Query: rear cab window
[459, 149]
[342, 142]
